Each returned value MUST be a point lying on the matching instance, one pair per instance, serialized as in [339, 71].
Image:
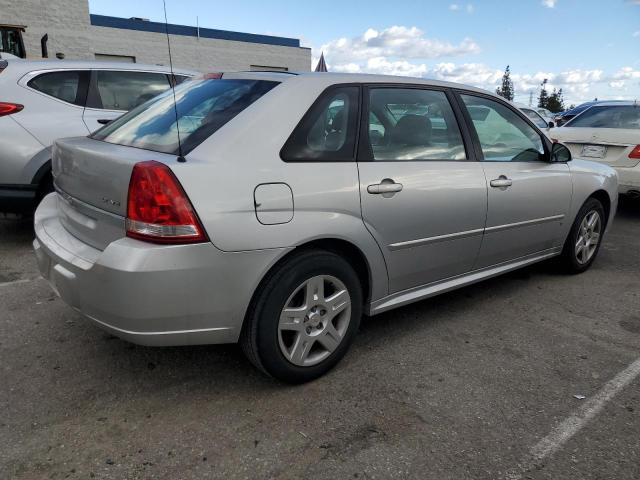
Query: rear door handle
[388, 186]
[501, 182]
[104, 121]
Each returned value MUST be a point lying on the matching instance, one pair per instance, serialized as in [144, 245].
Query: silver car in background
[280, 208]
[41, 101]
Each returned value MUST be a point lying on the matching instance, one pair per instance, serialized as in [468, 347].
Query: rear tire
[585, 238]
[304, 318]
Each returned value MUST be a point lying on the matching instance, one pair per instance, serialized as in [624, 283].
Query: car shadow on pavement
[207, 368]
[16, 231]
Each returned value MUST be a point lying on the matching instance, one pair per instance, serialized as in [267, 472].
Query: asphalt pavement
[486, 382]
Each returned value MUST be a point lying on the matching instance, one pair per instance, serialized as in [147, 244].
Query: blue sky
[590, 48]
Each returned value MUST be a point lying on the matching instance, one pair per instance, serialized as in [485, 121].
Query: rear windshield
[608, 117]
[202, 106]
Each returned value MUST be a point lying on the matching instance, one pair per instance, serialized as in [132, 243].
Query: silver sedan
[277, 209]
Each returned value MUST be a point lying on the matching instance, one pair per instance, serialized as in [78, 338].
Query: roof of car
[616, 103]
[334, 78]
[33, 65]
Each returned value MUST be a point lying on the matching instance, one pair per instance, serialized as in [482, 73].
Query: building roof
[188, 31]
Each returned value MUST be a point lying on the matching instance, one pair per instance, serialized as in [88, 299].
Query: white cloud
[454, 7]
[393, 42]
[549, 3]
[636, 34]
[627, 73]
[407, 51]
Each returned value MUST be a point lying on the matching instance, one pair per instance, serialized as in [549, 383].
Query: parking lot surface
[480, 383]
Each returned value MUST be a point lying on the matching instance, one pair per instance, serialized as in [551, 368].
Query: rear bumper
[150, 294]
[628, 179]
[18, 198]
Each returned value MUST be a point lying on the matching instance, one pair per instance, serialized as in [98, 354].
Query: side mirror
[560, 153]
[551, 125]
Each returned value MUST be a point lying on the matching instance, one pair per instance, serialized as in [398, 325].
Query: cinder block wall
[70, 32]
[66, 22]
[204, 54]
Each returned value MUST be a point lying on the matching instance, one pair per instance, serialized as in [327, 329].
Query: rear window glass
[608, 117]
[121, 90]
[63, 85]
[202, 107]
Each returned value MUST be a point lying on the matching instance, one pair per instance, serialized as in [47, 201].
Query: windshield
[608, 117]
[202, 107]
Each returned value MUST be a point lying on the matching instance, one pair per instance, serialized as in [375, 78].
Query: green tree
[543, 99]
[506, 89]
[555, 102]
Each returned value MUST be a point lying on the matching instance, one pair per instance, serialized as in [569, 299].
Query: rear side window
[203, 106]
[327, 132]
[122, 90]
[68, 86]
[608, 117]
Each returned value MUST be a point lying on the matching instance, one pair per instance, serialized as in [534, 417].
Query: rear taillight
[635, 153]
[3, 64]
[9, 108]
[158, 209]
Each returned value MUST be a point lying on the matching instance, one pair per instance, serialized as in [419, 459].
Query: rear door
[114, 92]
[528, 197]
[54, 101]
[423, 195]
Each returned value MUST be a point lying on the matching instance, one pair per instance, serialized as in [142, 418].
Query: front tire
[304, 318]
[585, 238]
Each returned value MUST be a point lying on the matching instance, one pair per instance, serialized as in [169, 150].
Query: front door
[423, 196]
[528, 197]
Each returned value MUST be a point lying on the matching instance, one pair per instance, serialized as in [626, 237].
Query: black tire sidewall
[269, 307]
[568, 253]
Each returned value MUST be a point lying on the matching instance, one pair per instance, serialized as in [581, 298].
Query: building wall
[66, 22]
[204, 54]
[70, 32]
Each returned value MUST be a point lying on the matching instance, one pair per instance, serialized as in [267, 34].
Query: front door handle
[384, 187]
[105, 121]
[501, 182]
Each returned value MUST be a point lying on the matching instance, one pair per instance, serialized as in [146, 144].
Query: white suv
[41, 101]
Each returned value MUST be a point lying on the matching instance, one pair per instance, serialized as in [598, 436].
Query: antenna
[181, 158]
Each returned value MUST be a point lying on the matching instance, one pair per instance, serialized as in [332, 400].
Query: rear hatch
[611, 146]
[92, 181]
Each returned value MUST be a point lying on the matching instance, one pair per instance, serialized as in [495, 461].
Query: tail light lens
[3, 64]
[158, 209]
[635, 153]
[9, 108]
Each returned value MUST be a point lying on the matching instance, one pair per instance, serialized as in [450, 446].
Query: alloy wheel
[588, 237]
[314, 320]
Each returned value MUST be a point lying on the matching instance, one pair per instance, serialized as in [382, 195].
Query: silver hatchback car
[276, 209]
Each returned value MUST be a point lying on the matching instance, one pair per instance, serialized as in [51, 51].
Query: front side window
[608, 117]
[203, 106]
[121, 90]
[413, 124]
[504, 136]
[63, 85]
[328, 130]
